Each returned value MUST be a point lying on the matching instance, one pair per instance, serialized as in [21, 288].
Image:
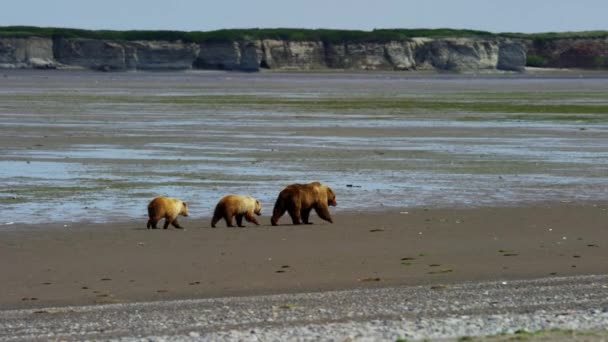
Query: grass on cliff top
[228, 35]
[324, 35]
[558, 35]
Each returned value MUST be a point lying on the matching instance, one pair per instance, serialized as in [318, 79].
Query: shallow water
[85, 146]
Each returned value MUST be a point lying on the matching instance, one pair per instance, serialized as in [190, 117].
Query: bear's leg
[239, 220]
[176, 224]
[276, 214]
[228, 219]
[167, 222]
[305, 213]
[153, 221]
[323, 213]
[295, 215]
[214, 220]
[251, 218]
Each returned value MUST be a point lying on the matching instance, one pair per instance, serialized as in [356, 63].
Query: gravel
[435, 312]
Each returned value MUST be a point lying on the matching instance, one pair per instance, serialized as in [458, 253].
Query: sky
[203, 15]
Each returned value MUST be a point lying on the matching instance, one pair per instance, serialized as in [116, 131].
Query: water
[94, 147]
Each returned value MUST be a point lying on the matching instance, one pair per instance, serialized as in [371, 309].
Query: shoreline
[203, 221]
[119, 263]
[421, 73]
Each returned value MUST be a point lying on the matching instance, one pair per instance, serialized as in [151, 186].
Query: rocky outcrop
[243, 55]
[453, 54]
[280, 54]
[111, 55]
[358, 56]
[511, 56]
[30, 52]
[401, 55]
[91, 54]
[152, 55]
[458, 54]
[219, 56]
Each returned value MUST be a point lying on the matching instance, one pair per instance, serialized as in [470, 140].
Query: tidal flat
[96, 147]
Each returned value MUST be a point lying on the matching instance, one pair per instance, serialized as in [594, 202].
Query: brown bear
[239, 206]
[167, 208]
[299, 199]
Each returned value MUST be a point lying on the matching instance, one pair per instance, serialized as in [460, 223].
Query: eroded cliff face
[279, 54]
[31, 52]
[90, 53]
[151, 55]
[453, 54]
[110, 55]
[457, 54]
[401, 55]
[510, 56]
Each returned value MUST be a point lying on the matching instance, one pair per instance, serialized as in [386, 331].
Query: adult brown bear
[236, 206]
[299, 199]
[167, 208]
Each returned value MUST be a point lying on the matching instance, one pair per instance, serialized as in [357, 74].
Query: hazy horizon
[189, 15]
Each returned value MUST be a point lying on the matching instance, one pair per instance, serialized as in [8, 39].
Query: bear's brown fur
[167, 208]
[240, 206]
[299, 199]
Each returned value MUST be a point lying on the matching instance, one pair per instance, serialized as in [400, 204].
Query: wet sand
[52, 265]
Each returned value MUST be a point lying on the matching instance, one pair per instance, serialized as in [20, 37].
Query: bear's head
[258, 208]
[184, 210]
[331, 197]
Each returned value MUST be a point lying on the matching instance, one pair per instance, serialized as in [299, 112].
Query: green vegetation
[536, 61]
[408, 104]
[558, 35]
[520, 111]
[325, 35]
[600, 61]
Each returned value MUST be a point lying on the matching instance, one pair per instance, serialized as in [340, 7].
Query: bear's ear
[185, 204]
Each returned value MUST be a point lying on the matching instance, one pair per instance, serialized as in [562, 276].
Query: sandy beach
[52, 265]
